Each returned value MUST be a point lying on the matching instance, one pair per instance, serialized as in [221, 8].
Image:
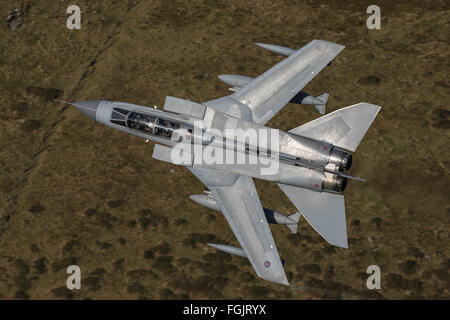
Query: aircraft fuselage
[299, 160]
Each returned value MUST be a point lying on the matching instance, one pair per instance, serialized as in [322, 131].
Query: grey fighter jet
[311, 160]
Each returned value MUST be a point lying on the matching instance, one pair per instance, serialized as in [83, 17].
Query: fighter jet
[309, 163]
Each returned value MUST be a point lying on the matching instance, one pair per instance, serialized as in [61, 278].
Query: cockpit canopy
[141, 122]
[145, 123]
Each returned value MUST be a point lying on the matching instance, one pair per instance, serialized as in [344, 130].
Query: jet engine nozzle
[335, 183]
[346, 162]
[341, 158]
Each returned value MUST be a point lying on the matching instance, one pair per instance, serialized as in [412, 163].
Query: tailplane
[343, 128]
[325, 212]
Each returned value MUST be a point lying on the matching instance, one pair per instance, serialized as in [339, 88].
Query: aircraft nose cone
[87, 107]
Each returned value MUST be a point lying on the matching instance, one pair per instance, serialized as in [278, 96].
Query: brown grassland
[73, 191]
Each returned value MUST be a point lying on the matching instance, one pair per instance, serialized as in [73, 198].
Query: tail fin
[325, 212]
[344, 128]
[293, 227]
[322, 107]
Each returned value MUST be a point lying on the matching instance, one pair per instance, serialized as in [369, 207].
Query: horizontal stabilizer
[344, 128]
[325, 212]
[293, 227]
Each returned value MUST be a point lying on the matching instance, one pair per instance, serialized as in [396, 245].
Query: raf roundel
[267, 264]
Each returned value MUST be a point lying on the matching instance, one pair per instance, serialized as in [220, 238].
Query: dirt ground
[73, 191]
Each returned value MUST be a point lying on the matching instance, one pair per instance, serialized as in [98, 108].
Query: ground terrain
[75, 192]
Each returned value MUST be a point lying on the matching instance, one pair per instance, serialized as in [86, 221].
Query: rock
[16, 17]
